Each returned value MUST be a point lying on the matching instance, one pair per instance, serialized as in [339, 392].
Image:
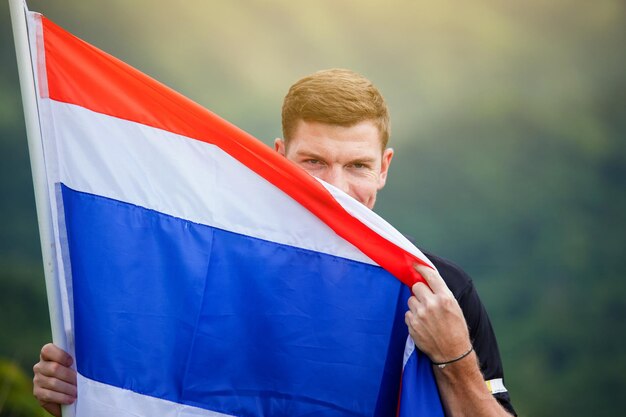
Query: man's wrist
[468, 367]
[443, 364]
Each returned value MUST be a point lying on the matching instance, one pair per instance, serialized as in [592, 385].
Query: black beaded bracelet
[442, 365]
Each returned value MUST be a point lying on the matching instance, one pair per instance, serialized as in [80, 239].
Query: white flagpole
[35, 149]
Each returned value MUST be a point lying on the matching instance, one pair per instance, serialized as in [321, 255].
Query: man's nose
[336, 177]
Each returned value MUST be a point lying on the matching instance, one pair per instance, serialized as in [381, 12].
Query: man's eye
[312, 161]
[358, 165]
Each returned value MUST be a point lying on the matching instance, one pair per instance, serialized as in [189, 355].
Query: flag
[203, 274]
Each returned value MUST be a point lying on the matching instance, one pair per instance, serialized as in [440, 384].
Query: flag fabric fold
[201, 273]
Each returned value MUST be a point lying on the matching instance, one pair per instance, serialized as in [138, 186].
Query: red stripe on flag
[80, 74]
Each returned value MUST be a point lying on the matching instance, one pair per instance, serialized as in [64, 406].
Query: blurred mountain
[509, 124]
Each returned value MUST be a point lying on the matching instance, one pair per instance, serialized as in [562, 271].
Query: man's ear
[384, 167]
[279, 146]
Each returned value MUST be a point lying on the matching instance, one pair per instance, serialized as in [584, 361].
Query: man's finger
[433, 279]
[52, 384]
[421, 291]
[46, 396]
[55, 370]
[412, 303]
[53, 353]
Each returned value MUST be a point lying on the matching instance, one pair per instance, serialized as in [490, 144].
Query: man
[336, 127]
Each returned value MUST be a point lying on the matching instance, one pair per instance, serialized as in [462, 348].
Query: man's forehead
[307, 128]
[323, 143]
[363, 135]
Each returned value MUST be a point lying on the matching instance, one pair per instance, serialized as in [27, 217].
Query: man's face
[349, 158]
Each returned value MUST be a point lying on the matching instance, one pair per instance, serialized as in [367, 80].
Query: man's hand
[54, 382]
[435, 320]
[438, 328]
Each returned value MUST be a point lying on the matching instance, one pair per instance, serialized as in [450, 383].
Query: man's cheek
[364, 193]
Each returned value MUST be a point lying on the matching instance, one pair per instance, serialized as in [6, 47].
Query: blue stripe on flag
[222, 321]
[420, 396]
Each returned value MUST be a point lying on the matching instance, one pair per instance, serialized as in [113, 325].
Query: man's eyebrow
[363, 160]
[357, 160]
[309, 154]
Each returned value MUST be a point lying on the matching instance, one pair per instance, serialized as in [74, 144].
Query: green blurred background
[509, 124]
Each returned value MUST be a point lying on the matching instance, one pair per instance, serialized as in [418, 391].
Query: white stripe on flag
[374, 222]
[96, 399]
[133, 163]
[409, 348]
